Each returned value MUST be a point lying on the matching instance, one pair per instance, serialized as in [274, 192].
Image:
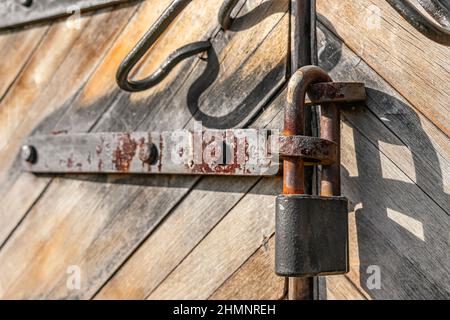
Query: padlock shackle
[294, 122]
[330, 129]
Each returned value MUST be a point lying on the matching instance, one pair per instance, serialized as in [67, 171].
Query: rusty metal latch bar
[245, 152]
[17, 13]
[242, 152]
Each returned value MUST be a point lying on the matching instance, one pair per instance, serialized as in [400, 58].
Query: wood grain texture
[47, 85]
[402, 274]
[154, 201]
[185, 237]
[416, 145]
[418, 68]
[244, 229]
[15, 50]
[418, 156]
[255, 280]
[205, 206]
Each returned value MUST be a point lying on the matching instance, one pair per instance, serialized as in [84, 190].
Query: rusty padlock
[311, 237]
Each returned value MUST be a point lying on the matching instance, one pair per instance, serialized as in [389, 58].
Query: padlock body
[311, 236]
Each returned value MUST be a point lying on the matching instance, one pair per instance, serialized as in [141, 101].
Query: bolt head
[147, 153]
[28, 153]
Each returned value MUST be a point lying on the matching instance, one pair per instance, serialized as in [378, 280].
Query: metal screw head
[28, 153]
[148, 153]
[26, 3]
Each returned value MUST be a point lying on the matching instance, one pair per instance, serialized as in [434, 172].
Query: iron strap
[246, 152]
[243, 152]
[15, 13]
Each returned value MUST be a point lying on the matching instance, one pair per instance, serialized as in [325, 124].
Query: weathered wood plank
[405, 275]
[56, 86]
[222, 45]
[153, 198]
[15, 14]
[198, 276]
[120, 203]
[16, 49]
[399, 228]
[418, 68]
[255, 280]
[38, 74]
[414, 145]
[418, 147]
[341, 288]
[362, 73]
[243, 230]
[181, 232]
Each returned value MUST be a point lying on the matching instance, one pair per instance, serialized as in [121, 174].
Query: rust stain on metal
[58, 132]
[331, 90]
[143, 151]
[99, 148]
[150, 142]
[222, 168]
[124, 153]
[70, 162]
[311, 149]
[293, 178]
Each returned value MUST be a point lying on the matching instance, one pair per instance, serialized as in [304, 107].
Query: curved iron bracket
[147, 41]
[225, 19]
[438, 30]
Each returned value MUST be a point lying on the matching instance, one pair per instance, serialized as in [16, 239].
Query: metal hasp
[299, 228]
[16, 13]
[434, 24]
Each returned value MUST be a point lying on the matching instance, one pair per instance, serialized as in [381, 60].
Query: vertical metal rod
[302, 49]
[330, 129]
[302, 35]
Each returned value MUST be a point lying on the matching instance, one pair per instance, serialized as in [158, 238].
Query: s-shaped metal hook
[152, 35]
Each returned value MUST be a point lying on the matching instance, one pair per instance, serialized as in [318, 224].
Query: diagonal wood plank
[253, 38]
[16, 48]
[58, 85]
[407, 271]
[214, 259]
[255, 280]
[425, 157]
[415, 66]
[243, 230]
[131, 281]
[119, 203]
[186, 226]
[120, 213]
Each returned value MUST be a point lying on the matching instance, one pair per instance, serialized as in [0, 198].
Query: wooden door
[174, 237]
